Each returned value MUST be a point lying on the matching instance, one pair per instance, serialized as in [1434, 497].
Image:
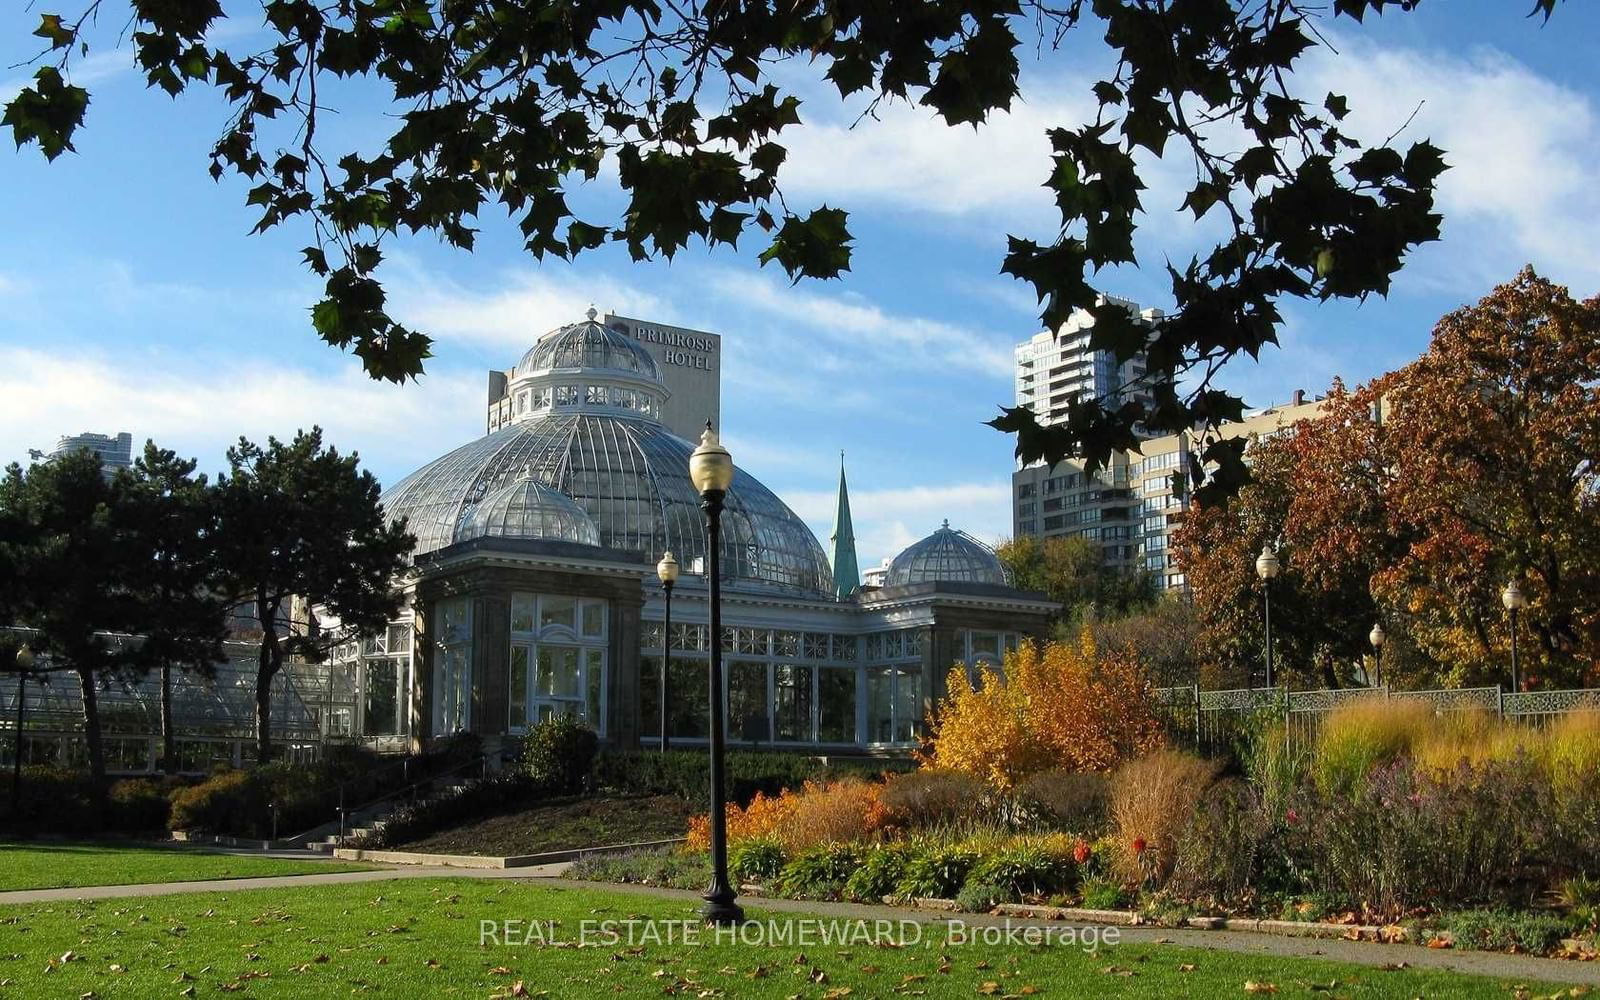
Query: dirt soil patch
[564, 825]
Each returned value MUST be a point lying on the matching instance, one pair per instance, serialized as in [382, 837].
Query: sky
[132, 298]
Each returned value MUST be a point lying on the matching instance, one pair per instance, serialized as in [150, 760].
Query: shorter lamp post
[1267, 567]
[667, 573]
[1514, 600]
[711, 471]
[24, 665]
[1376, 637]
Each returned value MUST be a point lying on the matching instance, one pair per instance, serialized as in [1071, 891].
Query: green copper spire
[846, 575]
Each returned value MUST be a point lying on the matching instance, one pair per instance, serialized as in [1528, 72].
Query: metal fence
[1212, 721]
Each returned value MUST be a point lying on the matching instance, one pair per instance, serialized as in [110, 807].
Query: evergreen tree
[299, 520]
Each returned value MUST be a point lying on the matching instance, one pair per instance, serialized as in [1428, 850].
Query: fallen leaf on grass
[1186, 967]
[1439, 942]
[1118, 970]
[1253, 987]
[989, 988]
[837, 993]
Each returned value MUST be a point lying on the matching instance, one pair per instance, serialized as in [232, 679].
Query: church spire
[846, 574]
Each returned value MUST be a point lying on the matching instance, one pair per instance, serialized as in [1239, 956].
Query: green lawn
[415, 938]
[58, 866]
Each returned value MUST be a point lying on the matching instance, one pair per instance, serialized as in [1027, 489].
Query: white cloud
[1523, 150]
[199, 407]
[518, 307]
[888, 520]
[847, 328]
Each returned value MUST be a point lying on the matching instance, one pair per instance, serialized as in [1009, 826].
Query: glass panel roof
[527, 509]
[946, 555]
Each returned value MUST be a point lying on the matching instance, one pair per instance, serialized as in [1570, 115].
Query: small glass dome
[528, 509]
[589, 346]
[947, 556]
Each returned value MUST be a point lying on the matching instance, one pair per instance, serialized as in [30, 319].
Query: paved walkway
[1512, 968]
[274, 882]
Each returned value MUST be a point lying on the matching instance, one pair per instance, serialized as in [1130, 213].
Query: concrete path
[273, 882]
[1511, 968]
[1508, 968]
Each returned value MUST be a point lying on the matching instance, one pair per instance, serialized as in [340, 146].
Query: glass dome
[949, 556]
[616, 463]
[589, 346]
[528, 509]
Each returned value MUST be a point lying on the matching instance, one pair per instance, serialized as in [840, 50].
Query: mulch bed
[564, 824]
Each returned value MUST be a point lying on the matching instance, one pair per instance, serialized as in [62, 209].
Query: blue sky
[131, 297]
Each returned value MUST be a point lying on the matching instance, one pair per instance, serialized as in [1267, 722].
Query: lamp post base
[721, 910]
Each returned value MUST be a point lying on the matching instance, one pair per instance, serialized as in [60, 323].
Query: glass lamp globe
[667, 569]
[1267, 564]
[1376, 636]
[711, 467]
[1513, 598]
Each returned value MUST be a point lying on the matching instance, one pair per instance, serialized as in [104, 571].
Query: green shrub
[937, 871]
[981, 897]
[658, 867]
[757, 860]
[1505, 930]
[1100, 893]
[925, 800]
[138, 805]
[54, 800]
[1409, 838]
[1220, 853]
[1024, 870]
[228, 802]
[819, 872]
[878, 875]
[558, 754]
[1073, 801]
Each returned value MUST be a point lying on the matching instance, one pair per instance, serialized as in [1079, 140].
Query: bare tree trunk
[91, 737]
[168, 755]
[268, 664]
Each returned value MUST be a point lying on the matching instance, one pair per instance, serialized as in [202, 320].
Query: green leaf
[817, 246]
[47, 113]
[53, 31]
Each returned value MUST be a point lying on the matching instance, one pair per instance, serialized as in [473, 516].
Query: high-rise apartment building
[1133, 506]
[1054, 367]
[1129, 507]
[115, 452]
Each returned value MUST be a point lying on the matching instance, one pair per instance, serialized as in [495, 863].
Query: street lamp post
[1376, 637]
[24, 665]
[667, 572]
[711, 471]
[1514, 601]
[1267, 567]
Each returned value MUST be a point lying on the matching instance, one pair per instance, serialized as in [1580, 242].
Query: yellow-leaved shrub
[1063, 705]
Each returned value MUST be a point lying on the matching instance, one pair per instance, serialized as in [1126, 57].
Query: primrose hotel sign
[685, 350]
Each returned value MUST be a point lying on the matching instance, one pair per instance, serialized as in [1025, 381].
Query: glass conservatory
[532, 593]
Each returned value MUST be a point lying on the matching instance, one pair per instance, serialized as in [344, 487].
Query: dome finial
[592, 313]
[946, 524]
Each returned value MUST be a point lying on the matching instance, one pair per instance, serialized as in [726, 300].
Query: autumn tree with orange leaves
[1413, 500]
[1494, 437]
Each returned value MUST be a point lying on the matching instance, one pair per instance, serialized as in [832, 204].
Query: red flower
[1139, 845]
[1080, 852]
[1291, 817]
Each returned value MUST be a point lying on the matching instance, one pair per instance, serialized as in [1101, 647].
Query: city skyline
[195, 340]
